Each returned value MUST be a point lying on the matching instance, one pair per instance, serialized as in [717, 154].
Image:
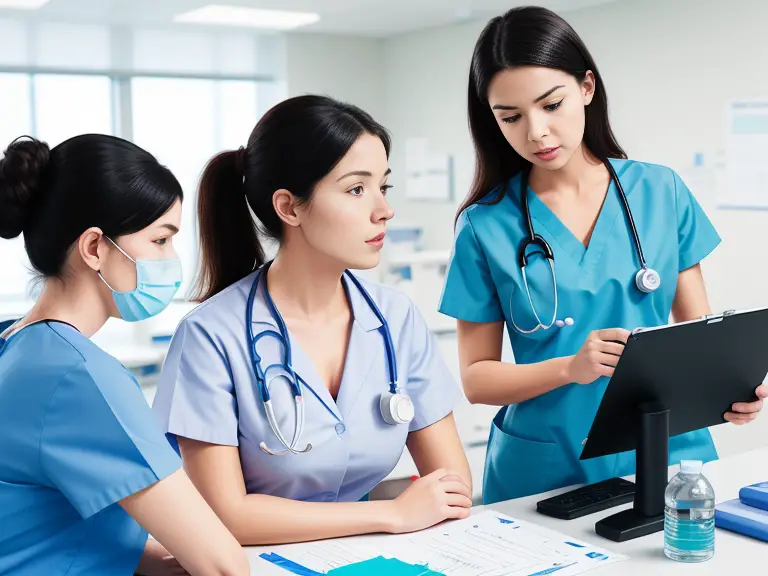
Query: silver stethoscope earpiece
[647, 279]
[396, 407]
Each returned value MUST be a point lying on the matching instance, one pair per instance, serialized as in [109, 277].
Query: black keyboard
[588, 499]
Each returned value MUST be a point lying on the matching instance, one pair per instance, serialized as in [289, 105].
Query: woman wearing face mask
[85, 471]
[539, 119]
[276, 466]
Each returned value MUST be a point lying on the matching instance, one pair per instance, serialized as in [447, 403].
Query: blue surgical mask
[157, 282]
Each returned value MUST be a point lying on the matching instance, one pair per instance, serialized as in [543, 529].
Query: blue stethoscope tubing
[286, 366]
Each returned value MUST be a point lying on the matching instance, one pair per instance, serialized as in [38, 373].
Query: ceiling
[378, 18]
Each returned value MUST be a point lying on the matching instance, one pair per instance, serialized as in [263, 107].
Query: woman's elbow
[247, 536]
[250, 530]
[472, 392]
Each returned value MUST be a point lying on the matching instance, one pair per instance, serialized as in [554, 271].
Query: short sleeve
[469, 292]
[195, 396]
[696, 235]
[100, 442]
[431, 386]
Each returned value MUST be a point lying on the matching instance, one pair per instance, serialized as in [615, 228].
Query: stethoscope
[646, 280]
[395, 406]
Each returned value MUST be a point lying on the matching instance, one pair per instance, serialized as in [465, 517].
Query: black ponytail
[229, 244]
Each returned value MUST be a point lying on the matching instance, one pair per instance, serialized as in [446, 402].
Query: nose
[382, 211]
[538, 127]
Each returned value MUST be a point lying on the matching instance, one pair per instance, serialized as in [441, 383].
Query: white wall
[426, 85]
[669, 68]
[669, 76]
[343, 67]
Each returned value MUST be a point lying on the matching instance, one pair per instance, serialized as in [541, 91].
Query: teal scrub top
[76, 437]
[535, 445]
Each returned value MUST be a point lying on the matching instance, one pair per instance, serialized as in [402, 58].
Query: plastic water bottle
[689, 515]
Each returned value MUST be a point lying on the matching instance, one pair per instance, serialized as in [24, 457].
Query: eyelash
[383, 189]
[161, 241]
[549, 108]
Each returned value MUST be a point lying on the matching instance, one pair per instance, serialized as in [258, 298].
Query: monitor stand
[652, 465]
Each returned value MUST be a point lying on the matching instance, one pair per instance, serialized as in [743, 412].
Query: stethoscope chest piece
[396, 408]
[647, 280]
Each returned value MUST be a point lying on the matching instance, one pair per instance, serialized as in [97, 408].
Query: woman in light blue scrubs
[85, 471]
[315, 174]
[538, 112]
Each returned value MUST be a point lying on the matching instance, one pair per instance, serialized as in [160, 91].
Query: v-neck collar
[584, 256]
[364, 346]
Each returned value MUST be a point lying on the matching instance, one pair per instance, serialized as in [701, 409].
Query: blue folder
[736, 516]
[755, 495]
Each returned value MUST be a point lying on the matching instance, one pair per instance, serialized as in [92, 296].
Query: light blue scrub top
[208, 392]
[76, 436]
[535, 445]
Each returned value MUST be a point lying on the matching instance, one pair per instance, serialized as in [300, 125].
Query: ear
[284, 204]
[91, 248]
[588, 87]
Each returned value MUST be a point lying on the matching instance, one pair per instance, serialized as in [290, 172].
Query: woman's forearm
[499, 383]
[259, 519]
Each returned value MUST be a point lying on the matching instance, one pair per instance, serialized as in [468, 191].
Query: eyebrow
[170, 227]
[539, 99]
[363, 173]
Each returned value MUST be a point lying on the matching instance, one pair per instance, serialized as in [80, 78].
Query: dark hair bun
[21, 175]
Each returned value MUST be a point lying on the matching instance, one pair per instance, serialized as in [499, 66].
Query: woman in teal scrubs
[85, 470]
[538, 113]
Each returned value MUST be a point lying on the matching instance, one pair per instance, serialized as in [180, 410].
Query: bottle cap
[691, 466]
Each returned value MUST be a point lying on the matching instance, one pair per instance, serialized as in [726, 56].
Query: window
[201, 92]
[52, 108]
[238, 102]
[15, 121]
[15, 113]
[183, 123]
[66, 106]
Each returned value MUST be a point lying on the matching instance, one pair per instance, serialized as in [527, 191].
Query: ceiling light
[216, 14]
[23, 4]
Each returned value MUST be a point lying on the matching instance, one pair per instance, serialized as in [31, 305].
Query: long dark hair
[527, 36]
[54, 195]
[294, 146]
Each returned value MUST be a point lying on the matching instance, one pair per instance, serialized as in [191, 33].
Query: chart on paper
[488, 544]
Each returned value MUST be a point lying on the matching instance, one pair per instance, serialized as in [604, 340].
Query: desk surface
[646, 555]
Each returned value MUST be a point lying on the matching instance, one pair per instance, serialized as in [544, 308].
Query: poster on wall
[746, 182]
[428, 174]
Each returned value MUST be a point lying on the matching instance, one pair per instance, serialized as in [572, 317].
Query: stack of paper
[488, 544]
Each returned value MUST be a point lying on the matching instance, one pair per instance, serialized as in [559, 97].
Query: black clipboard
[696, 370]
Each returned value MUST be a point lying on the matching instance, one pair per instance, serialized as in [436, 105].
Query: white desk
[734, 554]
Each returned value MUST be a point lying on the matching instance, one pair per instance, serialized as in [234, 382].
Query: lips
[378, 238]
[542, 151]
